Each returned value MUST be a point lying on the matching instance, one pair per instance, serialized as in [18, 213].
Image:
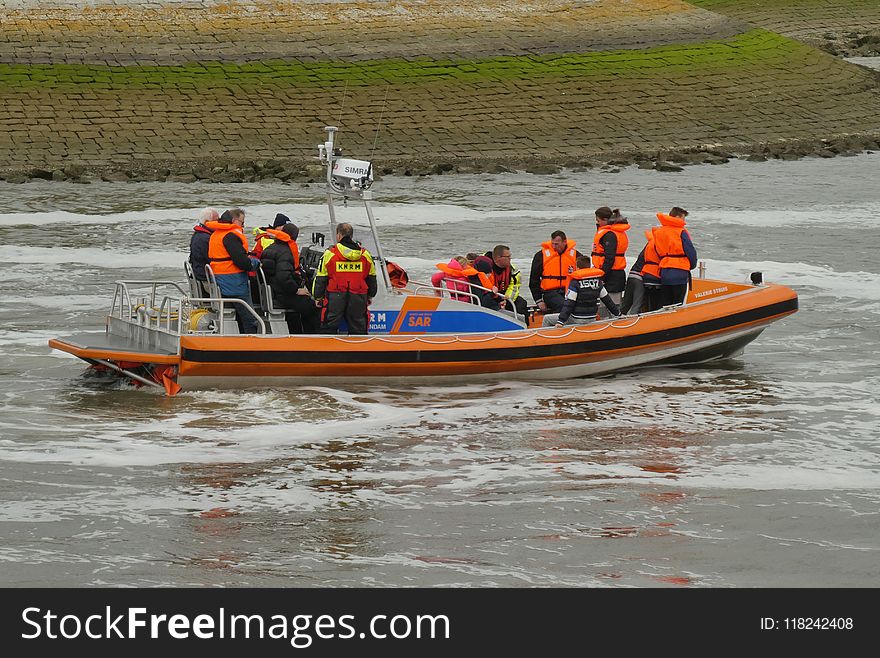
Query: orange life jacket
[587, 273]
[281, 235]
[557, 267]
[598, 255]
[218, 258]
[455, 274]
[667, 243]
[347, 275]
[486, 280]
[652, 259]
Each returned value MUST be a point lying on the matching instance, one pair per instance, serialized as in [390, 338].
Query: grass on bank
[756, 47]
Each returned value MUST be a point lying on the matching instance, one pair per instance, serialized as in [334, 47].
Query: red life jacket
[219, 259]
[502, 278]
[347, 275]
[557, 267]
[598, 255]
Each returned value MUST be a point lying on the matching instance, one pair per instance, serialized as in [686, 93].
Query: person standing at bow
[347, 276]
[551, 267]
[609, 251]
[677, 254]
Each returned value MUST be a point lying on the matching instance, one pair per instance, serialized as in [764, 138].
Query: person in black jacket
[280, 261]
[198, 246]
[585, 290]
[609, 251]
[551, 265]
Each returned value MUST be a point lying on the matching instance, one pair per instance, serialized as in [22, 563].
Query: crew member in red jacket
[347, 277]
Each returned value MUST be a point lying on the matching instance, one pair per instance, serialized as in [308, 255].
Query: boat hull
[720, 319]
[701, 331]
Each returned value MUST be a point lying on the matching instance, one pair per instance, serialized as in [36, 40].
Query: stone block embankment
[849, 28]
[233, 91]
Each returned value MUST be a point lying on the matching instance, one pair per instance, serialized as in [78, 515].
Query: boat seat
[195, 286]
[230, 326]
[275, 317]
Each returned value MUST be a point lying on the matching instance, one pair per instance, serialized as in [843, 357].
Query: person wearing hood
[347, 277]
[609, 252]
[642, 293]
[228, 256]
[262, 237]
[198, 246]
[280, 261]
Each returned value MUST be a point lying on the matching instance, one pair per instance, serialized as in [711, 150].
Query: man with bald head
[345, 284]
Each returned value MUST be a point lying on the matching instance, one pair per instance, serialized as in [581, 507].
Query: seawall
[240, 91]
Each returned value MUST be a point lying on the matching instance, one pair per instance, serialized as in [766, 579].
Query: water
[761, 471]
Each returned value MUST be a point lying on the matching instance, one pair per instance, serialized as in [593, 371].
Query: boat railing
[170, 313]
[419, 287]
[122, 296]
[139, 302]
[220, 304]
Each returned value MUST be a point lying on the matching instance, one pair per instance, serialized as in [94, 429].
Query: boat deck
[90, 346]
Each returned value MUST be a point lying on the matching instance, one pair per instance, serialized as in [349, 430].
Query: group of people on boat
[342, 288]
[567, 285]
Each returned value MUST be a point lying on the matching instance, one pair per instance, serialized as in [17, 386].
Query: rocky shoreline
[300, 171]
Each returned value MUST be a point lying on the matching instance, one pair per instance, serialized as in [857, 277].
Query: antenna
[342, 107]
[379, 125]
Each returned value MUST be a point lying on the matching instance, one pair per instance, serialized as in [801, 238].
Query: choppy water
[757, 472]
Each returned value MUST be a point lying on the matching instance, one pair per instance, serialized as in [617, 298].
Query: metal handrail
[222, 301]
[170, 308]
[444, 291]
[122, 294]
